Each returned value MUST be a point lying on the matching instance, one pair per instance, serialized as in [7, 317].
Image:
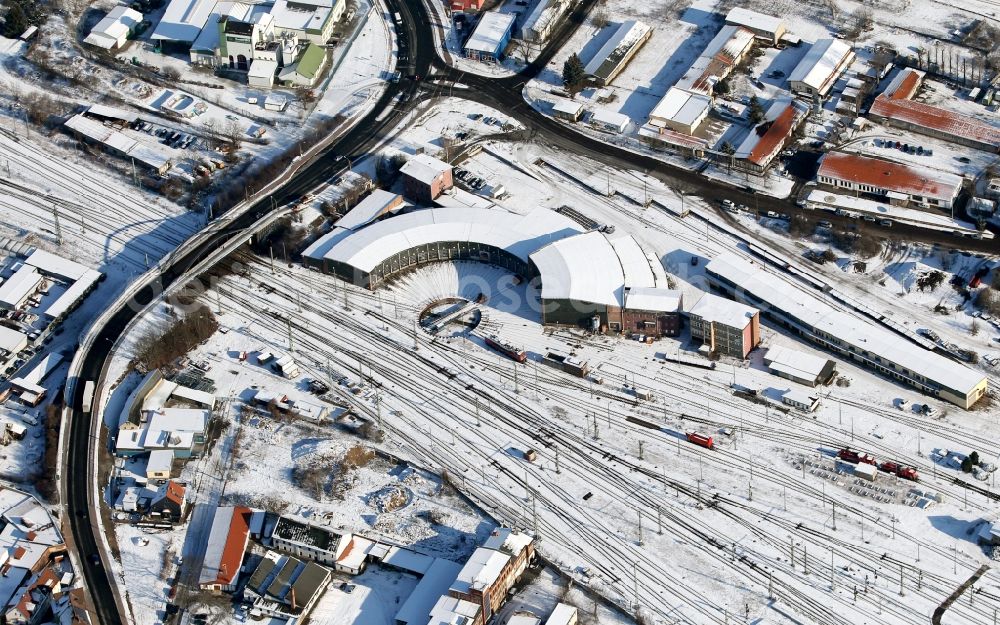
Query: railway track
[612, 472]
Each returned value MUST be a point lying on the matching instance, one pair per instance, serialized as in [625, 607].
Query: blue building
[491, 36]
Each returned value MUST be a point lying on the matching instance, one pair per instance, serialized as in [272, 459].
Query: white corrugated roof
[518, 234]
[755, 20]
[683, 107]
[20, 285]
[492, 27]
[367, 210]
[183, 20]
[11, 340]
[818, 65]
[852, 329]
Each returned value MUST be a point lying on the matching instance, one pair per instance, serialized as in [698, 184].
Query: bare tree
[233, 132]
[834, 9]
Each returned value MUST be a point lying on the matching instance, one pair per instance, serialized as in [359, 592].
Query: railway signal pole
[640, 450]
[557, 461]
[640, 528]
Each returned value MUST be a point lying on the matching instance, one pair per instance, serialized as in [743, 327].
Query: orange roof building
[227, 542]
[900, 184]
[764, 142]
[893, 107]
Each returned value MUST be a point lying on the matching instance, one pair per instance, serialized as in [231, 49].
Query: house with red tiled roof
[894, 107]
[168, 503]
[757, 151]
[899, 184]
[227, 542]
[32, 606]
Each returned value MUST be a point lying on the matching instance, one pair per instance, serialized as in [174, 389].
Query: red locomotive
[506, 348]
[848, 455]
[907, 473]
[701, 440]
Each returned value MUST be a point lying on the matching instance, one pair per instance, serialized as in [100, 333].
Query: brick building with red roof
[900, 184]
[894, 107]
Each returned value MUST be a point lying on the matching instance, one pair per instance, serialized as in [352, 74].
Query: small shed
[610, 121]
[800, 399]
[866, 471]
[567, 109]
[275, 103]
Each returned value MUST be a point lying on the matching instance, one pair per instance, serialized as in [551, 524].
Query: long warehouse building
[846, 334]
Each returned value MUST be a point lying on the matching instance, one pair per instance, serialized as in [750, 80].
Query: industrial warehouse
[605, 283]
[872, 346]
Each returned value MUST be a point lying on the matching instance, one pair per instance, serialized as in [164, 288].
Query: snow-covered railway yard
[768, 525]
[66, 202]
[730, 518]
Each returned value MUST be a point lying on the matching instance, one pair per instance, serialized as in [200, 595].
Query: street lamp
[350, 165]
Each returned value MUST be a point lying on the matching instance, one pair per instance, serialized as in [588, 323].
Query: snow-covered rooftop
[515, 233]
[718, 59]
[712, 308]
[481, 570]
[764, 141]
[755, 21]
[795, 362]
[653, 299]
[810, 312]
[424, 167]
[820, 64]
[593, 268]
[16, 288]
[612, 54]
[183, 20]
[680, 106]
[490, 31]
[113, 27]
[428, 592]
[610, 118]
[289, 15]
[368, 209]
[563, 614]
[568, 107]
[451, 611]
[891, 176]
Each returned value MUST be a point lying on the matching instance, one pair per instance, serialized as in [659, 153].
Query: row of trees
[159, 348]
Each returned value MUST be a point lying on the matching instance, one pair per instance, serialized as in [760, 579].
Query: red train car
[848, 455]
[907, 473]
[505, 348]
[701, 440]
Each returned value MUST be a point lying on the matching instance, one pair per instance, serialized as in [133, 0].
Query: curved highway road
[416, 50]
